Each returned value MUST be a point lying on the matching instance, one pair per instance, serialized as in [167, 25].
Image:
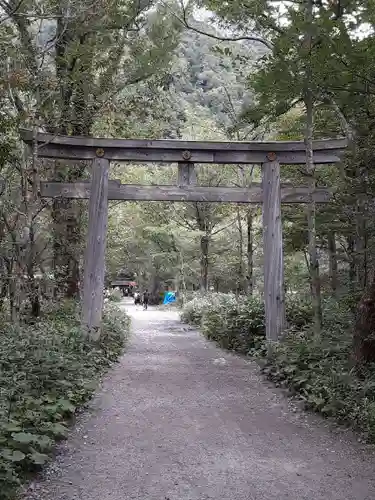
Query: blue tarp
[169, 297]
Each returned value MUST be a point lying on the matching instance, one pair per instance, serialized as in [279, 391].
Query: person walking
[145, 299]
[137, 298]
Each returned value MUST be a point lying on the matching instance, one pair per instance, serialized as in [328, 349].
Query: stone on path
[179, 419]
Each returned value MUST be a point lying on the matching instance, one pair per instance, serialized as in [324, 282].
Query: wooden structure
[119, 283]
[127, 287]
[271, 193]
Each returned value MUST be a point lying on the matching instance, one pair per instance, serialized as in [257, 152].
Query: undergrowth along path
[179, 419]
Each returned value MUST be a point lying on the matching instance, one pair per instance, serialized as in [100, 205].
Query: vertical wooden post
[274, 293]
[186, 174]
[94, 265]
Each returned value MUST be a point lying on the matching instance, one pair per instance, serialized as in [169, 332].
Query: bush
[319, 370]
[193, 309]
[238, 323]
[47, 371]
[114, 295]
[298, 311]
[185, 297]
[234, 324]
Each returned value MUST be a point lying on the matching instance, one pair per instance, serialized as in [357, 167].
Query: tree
[75, 59]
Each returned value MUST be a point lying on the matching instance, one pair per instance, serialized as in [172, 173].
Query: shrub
[238, 323]
[47, 371]
[114, 295]
[319, 370]
[185, 297]
[234, 324]
[337, 313]
[192, 311]
[298, 311]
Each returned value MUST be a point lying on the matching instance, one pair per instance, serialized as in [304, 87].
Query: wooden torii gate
[270, 193]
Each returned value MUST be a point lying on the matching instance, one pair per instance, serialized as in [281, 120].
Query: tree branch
[10, 10]
[184, 21]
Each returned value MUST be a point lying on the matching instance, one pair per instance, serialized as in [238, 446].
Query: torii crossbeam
[271, 193]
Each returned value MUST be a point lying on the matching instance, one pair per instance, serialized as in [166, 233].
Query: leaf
[44, 442]
[11, 427]
[13, 455]
[290, 369]
[66, 406]
[317, 401]
[58, 430]
[38, 458]
[328, 409]
[23, 437]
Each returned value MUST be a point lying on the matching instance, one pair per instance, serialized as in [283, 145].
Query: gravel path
[179, 419]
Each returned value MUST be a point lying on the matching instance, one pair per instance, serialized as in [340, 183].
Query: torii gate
[270, 193]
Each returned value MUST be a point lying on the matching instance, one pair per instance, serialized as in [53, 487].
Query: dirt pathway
[179, 419]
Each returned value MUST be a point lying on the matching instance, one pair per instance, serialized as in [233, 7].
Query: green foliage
[238, 323]
[47, 371]
[193, 309]
[319, 371]
[298, 311]
[330, 53]
[198, 97]
[113, 296]
[234, 324]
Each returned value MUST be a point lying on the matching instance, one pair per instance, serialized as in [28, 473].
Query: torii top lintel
[171, 151]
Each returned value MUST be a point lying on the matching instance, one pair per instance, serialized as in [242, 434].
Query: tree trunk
[67, 246]
[204, 244]
[13, 303]
[363, 337]
[250, 253]
[181, 279]
[352, 263]
[332, 250]
[311, 219]
[4, 282]
[74, 236]
[240, 274]
[155, 288]
[67, 230]
[14, 291]
[360, 247]
[310, 167]
[33, 286]
[33, 296]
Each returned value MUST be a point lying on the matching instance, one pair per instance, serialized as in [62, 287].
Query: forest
[194, 70]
